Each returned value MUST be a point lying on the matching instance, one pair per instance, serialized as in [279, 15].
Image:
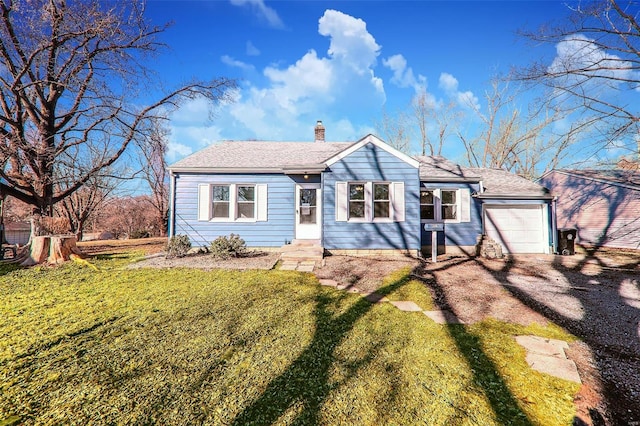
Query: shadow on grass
[306, 381]
[485, 374]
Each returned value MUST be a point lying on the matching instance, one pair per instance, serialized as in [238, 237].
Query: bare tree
[69, 79]
[596, 68]
[153, 148]
[435, 122]
[395, 130]
[519, 140]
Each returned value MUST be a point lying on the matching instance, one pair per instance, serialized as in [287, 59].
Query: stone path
[544, 355]
[303, 266]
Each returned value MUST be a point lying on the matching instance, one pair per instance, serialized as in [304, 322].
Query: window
[427, 205]
[356, 201]
[220, 194]
[246, 202]
[449, 205]
[445, 205]
[232, 202]
[381, 201]
[370, 201]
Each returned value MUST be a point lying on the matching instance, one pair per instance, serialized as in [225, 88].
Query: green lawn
[182, 346]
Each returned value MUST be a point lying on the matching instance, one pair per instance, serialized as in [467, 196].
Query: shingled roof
[260, 155]
[499, 183]
[629, 178]
[437, 168]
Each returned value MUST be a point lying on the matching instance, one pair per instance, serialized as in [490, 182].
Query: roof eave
[236, 170]
[485, 195]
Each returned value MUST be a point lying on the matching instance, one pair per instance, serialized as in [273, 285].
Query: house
[361, 197]
[602, 205]
[17, 232]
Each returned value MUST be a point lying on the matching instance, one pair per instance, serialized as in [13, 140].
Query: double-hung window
[220, 200]
[246, 202]
[381, 201]
[449, 206]
[445, 205]
[427, 205]
[231, 202]
[356, 201]
[370, 202]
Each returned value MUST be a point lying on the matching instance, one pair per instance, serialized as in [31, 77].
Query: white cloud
[335, 88]
[177, 151]
[403, 76]
[264, 12]
[252, 50]
[228, 60]
[351, 43]
[449, 84]
[584, 58]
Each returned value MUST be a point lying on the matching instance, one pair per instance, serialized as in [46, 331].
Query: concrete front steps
[301, 255]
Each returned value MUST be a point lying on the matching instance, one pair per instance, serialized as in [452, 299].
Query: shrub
[178, 246]
[140, 233]
[226, 247]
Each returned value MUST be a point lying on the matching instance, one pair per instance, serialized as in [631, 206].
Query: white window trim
[205, 203]
[396, 202]
[462, 196]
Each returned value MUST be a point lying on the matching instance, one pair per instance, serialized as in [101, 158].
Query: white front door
[308, 211]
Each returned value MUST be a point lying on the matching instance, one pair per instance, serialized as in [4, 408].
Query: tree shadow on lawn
[485, 374]
[306, 381]
[600, 293]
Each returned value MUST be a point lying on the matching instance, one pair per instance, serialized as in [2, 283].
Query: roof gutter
[485, 195]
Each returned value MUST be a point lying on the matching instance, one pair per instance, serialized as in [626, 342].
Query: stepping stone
[554, 366]
[330, 283]
[407, 306]
[289, 266]
[302, 267]
[548, 356]
[443, 317]
[543, 346]
[375, 297]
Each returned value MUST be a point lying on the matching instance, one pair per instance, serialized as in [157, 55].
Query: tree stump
[53, 249]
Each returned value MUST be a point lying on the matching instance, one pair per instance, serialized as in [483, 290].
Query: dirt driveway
[595, 296]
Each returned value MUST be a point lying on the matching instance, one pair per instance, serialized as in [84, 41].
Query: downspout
[172, 204]
[554, 225]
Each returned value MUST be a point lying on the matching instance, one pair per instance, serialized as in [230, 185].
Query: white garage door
[520, 229]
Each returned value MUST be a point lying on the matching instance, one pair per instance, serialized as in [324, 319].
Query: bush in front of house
[227, 247]
[178, 246]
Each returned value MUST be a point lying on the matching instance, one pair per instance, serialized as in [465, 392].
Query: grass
[256, 347]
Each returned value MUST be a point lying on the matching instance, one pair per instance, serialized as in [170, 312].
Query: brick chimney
[319, 132]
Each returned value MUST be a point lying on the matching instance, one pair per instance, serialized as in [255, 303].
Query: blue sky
[339, 62]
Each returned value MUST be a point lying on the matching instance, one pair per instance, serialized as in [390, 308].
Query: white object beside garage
[523, 228]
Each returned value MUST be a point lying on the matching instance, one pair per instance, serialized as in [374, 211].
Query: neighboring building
[352, 196]
[17, 232]
[602, 205]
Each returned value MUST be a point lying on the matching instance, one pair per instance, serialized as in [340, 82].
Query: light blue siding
[275, 232]
[372, 164]
[457, 234]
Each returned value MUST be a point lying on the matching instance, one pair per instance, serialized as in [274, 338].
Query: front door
[308, 211]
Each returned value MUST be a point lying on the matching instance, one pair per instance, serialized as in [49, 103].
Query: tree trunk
[53, 249]
[39, 250]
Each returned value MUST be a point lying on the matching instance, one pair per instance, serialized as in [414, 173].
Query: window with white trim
[370, 201]
[445, 205]
[448, 204]
[356, 201]
[232, 202]
[220, 200]
[381, 201]
[246, 202]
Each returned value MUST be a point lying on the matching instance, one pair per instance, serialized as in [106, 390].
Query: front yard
[184, 346]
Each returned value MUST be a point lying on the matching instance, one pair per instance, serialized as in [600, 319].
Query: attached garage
[521, 228]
